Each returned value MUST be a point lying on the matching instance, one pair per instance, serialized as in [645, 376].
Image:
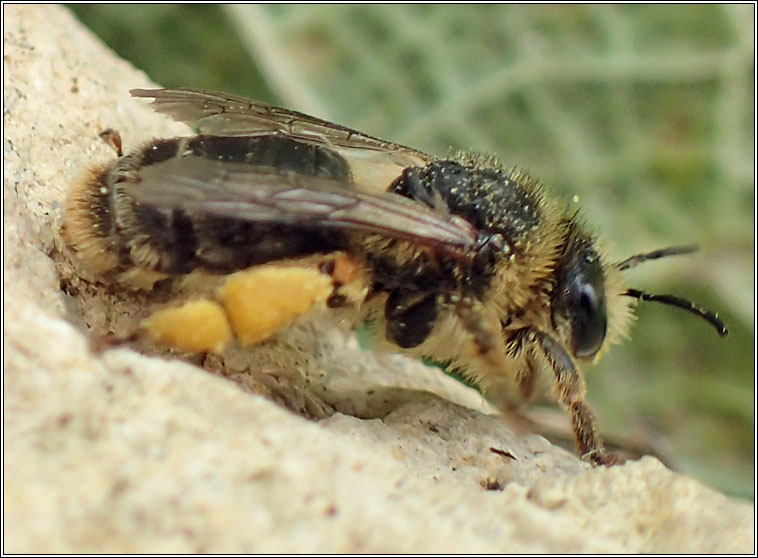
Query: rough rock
[116, 451]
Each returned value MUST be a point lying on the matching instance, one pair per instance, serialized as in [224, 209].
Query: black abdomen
[178, 242]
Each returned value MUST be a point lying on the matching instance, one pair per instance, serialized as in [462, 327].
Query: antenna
[682, 303]
[654, 255]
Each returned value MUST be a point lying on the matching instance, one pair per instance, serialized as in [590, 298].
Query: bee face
[269, 215]
[579, 301]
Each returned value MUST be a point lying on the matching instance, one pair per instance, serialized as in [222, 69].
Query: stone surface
[115, 451]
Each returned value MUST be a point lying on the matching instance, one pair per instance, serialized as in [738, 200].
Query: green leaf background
[645, 113]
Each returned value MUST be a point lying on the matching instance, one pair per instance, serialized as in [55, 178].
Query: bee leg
[410, 317]
[411, 185]
[497, 379]
[197, 326]
[112, 138]
[98, 344]
[572, 394]
[469, 312]
[527, 380]
[252, 306]
[263, 300]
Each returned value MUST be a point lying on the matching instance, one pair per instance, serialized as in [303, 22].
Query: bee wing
[374, 162]
[263, 194]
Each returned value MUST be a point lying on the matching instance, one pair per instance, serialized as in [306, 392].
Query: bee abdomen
[276, 152]
[115, 234]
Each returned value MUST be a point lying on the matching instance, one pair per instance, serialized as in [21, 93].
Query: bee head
[587, 298]
[579, 305]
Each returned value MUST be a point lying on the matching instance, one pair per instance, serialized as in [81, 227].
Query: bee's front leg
[572, 394]
[497, 376]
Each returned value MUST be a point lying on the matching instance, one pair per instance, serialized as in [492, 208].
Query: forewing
[261, 194]
[374, 162]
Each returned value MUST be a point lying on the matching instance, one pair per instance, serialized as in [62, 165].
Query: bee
[267, 215]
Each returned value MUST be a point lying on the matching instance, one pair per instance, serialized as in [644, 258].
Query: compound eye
[589, 320]
[579, 300]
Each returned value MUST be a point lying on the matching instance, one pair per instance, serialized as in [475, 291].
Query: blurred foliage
[644, 112]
